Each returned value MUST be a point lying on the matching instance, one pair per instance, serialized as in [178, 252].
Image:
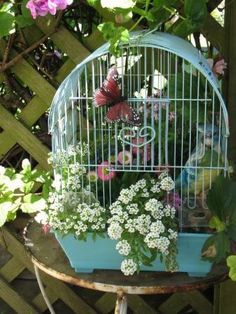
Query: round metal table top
[48, 256]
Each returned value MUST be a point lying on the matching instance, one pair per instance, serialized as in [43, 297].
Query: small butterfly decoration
[109, 94]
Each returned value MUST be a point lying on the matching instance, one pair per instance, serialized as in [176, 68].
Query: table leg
[41, 287]
[121, 303]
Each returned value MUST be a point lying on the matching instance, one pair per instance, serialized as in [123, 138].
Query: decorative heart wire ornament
[129, 133]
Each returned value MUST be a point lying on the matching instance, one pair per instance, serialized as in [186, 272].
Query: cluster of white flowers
[167, 184]
[75, 216]
[123, 247]
[140, 218]
[128, 267]
[73, 208]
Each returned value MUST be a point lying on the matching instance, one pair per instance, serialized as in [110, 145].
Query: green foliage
[6, 23]
[14, 15]
[151, 13]
[17, 191]
[231, 263]
[114, 35]
[221, 201]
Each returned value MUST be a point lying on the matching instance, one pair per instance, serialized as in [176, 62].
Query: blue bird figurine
[202, 167]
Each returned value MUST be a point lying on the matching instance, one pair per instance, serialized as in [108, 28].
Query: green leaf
[195, 11]
[184, 28]
[28, 187]
[25, 11]
[5, 209]
[93, 3]
[33, 203]
[221, 199]
[231, 231]
[6, 7]
[23, 21]
[216, 247]
[231, 263]
[3, 213]
[216, 223]
[114, 35]
[6, 23]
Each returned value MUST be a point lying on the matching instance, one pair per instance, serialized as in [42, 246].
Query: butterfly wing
[110, 91]
[122, 112]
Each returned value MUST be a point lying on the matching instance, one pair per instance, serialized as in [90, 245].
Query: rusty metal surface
[47, 254]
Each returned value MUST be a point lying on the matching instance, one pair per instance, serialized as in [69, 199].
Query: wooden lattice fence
[18, 130]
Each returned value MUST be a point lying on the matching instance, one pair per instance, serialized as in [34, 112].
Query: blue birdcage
[155, 108]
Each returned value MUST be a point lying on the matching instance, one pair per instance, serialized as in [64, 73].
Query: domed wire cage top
[182, 119]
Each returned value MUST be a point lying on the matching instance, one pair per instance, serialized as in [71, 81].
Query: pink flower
[174, 200]
[37, 7]
[124, 157]
[43, 7]
[46, 228]
[219, 67]
[104, 171]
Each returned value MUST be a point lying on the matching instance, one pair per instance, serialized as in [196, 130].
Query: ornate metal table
[47, 255]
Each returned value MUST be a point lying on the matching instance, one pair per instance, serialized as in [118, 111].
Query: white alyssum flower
[114, 231]
[167, 184]
[123, 247]
[128, 267]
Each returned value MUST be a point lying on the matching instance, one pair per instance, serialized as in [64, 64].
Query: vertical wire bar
[145, 106]
[87, 126]
[152, 109]
[176, 118]
[116, 137]
[102, 76]
[109, 149]
[138, 87]
[60, 145]
[160, 111]
[220, 135]
[94, 82]
[130, 93]
[190, 124]
[167, 111]
[197, 137]
[212, 138]
[182, 133]
[81, 123]
[122, 91]
[204, 141]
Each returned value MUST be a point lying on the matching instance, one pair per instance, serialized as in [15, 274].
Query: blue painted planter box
[85, 256]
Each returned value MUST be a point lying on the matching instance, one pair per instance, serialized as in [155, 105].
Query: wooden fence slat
[230, 48]
[214, 33]
[106, 303]
[226, 298]
[39, 302]
[174, 304]
[14, 299]
[11, 269]
[29, 115]
[199, 302]
[139, 306]
[64, 40]
[63, 291]
[24, 137]
[65, 70]
[31, 77]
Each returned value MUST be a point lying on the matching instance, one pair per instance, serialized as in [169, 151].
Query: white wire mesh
[182, 114]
